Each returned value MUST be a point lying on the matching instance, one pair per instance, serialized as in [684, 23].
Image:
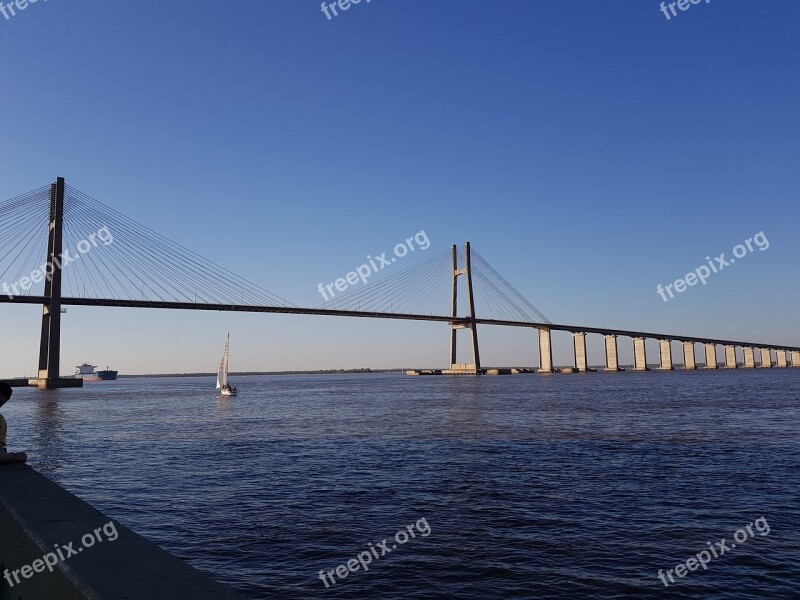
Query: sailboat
[222, 373]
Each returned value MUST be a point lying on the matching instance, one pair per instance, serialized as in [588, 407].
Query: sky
[589, 151]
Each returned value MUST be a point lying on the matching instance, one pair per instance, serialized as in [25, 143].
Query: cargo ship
[87, 373]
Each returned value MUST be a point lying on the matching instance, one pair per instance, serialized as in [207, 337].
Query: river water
[525, 486]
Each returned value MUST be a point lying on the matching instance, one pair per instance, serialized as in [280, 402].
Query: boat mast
[227, 356]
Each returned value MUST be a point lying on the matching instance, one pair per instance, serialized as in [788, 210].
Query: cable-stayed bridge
[60, 247]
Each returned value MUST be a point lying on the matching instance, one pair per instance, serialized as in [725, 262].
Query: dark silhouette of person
[5, 396]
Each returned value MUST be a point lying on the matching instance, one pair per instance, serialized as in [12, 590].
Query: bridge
[122, 263]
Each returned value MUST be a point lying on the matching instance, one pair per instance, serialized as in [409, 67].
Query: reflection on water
[222, 404]
[47, 443]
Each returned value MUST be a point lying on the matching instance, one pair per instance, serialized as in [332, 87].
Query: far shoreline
[248, 373]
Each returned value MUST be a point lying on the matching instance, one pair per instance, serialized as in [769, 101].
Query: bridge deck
[293, 310]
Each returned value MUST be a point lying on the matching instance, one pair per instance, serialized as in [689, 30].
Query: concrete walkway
[40, 519]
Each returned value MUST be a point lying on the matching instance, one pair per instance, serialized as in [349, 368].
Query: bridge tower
[50, 344]
[475, 367]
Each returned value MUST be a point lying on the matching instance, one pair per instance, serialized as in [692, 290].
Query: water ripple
[533, 486]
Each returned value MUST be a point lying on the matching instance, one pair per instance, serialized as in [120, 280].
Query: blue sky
[589, 150]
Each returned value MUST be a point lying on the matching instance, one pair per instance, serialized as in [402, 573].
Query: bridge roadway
[292, 310]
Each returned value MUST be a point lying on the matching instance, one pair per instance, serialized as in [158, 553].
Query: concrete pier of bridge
[545, 351]
[711, 356]
[612, 355]
[639, 355]
[689, 360]
[579, 351]
[665, 355]
[749, 355]
[730, 357]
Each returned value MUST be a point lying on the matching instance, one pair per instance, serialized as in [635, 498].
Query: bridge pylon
[50, 344]
[463, 368]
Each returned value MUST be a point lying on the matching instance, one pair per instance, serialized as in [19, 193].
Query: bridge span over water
[125, 264]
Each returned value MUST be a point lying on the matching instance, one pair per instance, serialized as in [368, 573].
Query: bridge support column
[766, 358]
[782, 362]
[612, 360]
[49, 346]
[545, 351]
[749, 358]
[50, 342]
[711, 356]
[579, 347]
[689, 362]
[795, 359]
[665, 353]
[639, 355]
[475, 367]
[730, 357]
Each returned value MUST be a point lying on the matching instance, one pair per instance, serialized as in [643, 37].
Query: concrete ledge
[54, 384]
[36, 516]
[16, 382]
[499, 371]
[460, 371]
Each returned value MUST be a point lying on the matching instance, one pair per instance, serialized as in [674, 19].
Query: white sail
[222, 373]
